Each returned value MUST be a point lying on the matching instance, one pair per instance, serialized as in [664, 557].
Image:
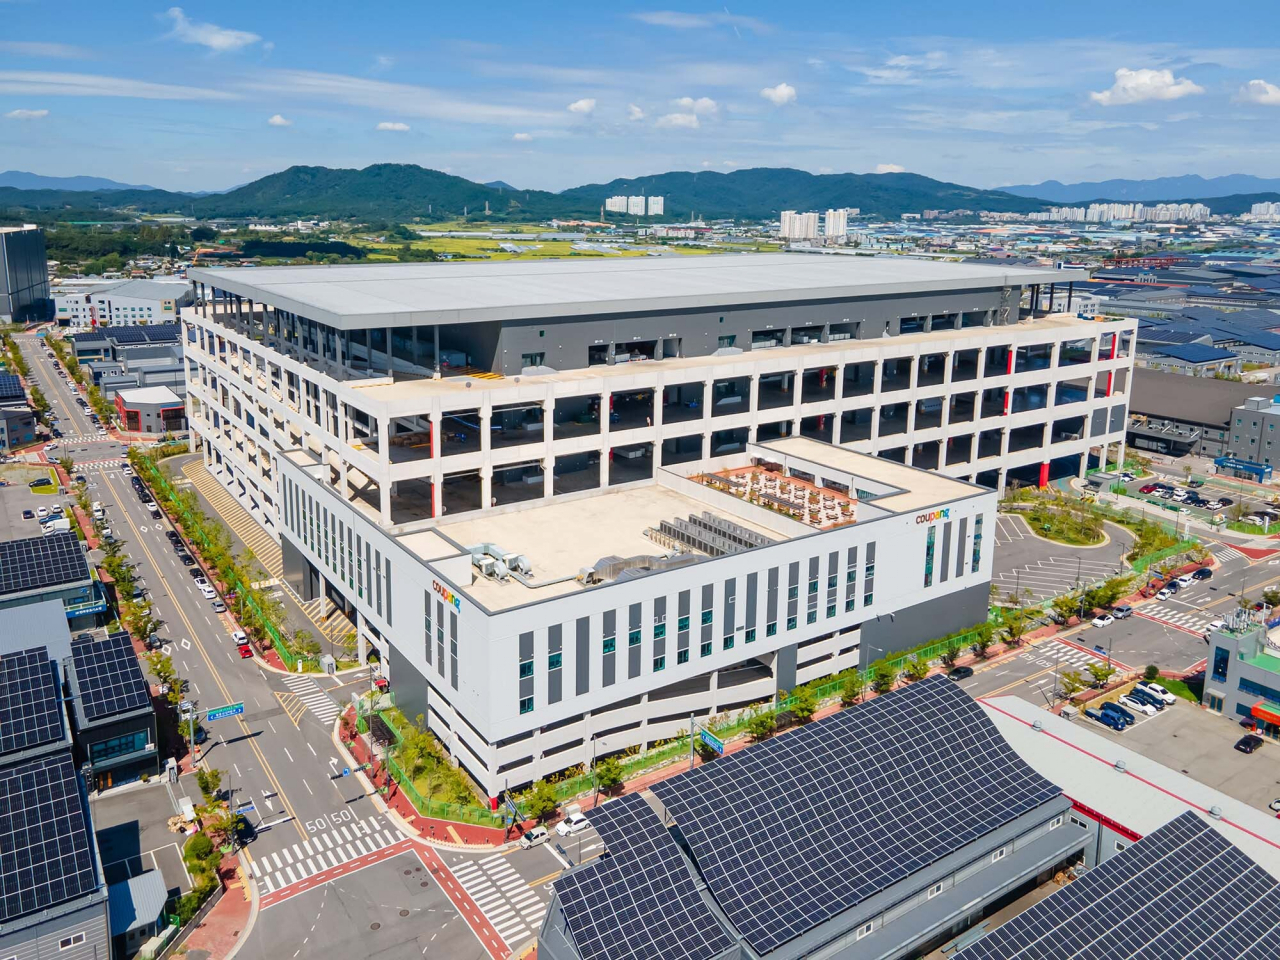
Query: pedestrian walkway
[510, 905]
[1191, 621]
[238, 520]
[318, 702]
[1225, 553]
[330, 846]
[1068, 655]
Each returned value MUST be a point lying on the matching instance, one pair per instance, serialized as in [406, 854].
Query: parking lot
[17, 496]
[133, 834]
[1200, 744]
[1026, 562]
[1205, 499]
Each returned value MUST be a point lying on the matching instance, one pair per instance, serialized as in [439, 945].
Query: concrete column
[1056, 358]
[486, 486]
[388, 335]
[839, 398]
[1004, 443]
[548, 447]
[797, 393]
[1000, 481]
[707, 394]
[435, 340]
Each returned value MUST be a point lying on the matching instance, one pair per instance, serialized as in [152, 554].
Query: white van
[98, 512]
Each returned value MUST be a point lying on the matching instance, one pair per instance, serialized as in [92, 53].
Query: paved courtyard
[1026, 562]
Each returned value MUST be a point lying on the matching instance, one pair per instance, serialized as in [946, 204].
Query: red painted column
[1044, 474]
[1008, 391]
[1115, 351]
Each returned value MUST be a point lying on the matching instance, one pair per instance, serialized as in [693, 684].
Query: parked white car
[1164, 594]
[1157, 691]
[573, 823]
[1186, 580]
[208, 592]
[1105, 620]
[1137, 706]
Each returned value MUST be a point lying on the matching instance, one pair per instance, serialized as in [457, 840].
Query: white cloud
[1259, 91]
[91, 85]
[1136, 86]
[383, 62]
[392, 126]
[27, 114]
[33, 48]
[783, 93]
[685, 121]
[634, 113]
[677, 20]
[522, 137]
[278, 121]
[585, 105]
[889, 168]
[702, 107]
[409, 100]
[218, 39]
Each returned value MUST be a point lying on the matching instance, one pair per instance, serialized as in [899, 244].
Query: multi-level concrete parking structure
[570, 503]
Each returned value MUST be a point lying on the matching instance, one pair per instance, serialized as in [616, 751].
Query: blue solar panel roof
[109, 676]
[1194, 353]
[30, 701]
[11, 387]
[1180, 893]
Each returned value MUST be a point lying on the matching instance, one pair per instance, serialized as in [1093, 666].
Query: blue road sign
[711, 740]
[246, 807]
[221, 713]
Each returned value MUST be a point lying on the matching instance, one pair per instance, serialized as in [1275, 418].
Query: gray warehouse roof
[1176, 396]
[359, 295]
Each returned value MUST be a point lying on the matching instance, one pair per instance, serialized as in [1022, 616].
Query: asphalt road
[81, 440]
[332, 873]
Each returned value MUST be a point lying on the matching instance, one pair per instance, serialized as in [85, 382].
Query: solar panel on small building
[11, 387]
[1183, 891]
[37, 562]
[30, 702]
[109, 676]
[799, 828]
[640, 902]
[45, 853]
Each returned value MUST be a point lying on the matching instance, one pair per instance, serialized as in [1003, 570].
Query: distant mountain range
[402, 191]
[1192, 187]
[21, 180]
[499, 185]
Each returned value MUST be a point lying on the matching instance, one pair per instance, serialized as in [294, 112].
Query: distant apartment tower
[1265, 211]
[836, 223]
[656, 205]
[616, 205]
[798, 226]
[24, 275]
[635, 206]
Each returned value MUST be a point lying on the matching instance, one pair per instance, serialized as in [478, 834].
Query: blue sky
[552, 95]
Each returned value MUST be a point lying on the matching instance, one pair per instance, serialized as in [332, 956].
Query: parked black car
[1249, 743]
[1204, 573]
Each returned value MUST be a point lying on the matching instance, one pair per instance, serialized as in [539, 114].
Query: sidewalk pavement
[224, 929]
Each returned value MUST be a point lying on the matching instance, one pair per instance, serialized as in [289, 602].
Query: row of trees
[257, 610]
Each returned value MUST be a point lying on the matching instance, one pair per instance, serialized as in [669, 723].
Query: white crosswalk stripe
[1065, 653]
[512, 908]
[301, 861]
[1228, 553]
[1195, 621]
[317, 701]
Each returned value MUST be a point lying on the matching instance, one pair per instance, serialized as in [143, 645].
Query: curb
[247, 871]
[406, 828]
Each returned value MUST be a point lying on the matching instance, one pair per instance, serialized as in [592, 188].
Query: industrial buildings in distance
[571, 503]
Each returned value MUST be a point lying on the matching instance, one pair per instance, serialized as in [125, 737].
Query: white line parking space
[1052, 576]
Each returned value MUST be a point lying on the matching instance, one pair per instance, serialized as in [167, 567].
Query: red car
[246, 651]
[1149, 488]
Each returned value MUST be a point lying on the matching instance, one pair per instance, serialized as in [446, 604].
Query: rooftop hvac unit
[486, 565]
[500, 570]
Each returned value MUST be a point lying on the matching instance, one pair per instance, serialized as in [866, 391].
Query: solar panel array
[30, 702]
[640, 902]
[799, 828]
[45, 855]
[10, 387]
[109, 676]
[41, 562]
[1183, 891]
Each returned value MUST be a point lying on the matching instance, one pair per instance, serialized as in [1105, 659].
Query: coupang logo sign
[933, 515]
[448, 595]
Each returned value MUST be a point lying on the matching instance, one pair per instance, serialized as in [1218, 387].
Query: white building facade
[381, 447]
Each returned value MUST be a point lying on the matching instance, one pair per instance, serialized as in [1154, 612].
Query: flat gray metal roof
[352, 296]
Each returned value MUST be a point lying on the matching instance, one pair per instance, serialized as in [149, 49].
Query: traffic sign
[246, 807]
[221, 713]
[711, 740]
